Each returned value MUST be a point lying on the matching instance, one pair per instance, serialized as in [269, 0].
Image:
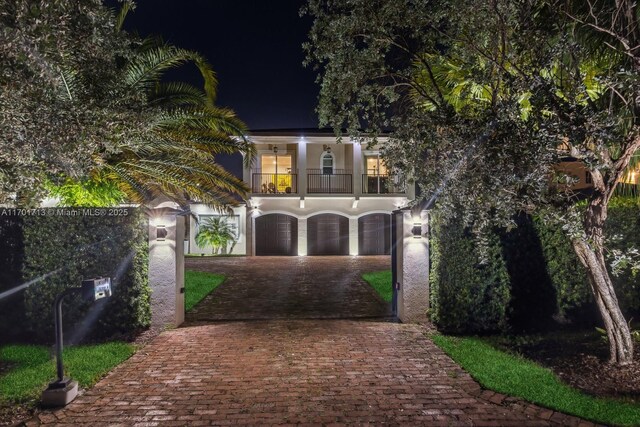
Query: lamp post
[63, 390]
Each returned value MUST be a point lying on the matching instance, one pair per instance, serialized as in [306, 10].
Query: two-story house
[311, 195]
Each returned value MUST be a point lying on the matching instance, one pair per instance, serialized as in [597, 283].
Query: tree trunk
[590, 251]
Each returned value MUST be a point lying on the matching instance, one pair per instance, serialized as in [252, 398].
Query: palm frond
[146, 69]
[177, 94]
[127, 6]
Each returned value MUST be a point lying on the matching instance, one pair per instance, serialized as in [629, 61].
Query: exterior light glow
[161, 232]
[417, 230]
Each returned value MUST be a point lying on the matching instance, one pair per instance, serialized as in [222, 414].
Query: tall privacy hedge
[467, 293]
[527, 279]
[59, 249]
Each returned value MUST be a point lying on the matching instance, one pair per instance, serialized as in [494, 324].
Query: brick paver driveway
[291, 287]
[293, 370]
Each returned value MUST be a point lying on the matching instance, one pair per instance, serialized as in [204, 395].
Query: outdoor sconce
[275, 149]
[161, 232]
[417, 230]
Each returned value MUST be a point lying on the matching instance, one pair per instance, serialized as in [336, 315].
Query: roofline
[310, 132]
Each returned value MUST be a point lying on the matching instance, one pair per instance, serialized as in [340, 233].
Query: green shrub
[569, 278]
[467, 292]
[624, 221]
[60, 249]
[529, 275]
[11, 256]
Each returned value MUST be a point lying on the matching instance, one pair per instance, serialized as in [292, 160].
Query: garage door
[328, 234]
[374, 234]
[276, 234]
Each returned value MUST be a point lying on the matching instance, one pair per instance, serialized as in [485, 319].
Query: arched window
[327, 163]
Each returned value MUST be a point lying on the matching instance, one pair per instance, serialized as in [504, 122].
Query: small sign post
[63, 390]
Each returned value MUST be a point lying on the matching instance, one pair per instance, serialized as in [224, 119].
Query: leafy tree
[45, 131]
[215, 232]
[176, 155]
[485, 98]
[87, 115]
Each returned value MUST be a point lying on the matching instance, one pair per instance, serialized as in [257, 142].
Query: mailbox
[95, 289]
[64, 390]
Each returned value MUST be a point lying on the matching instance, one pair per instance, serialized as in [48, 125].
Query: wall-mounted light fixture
[161, 232]
[417, 230]
[275, 149]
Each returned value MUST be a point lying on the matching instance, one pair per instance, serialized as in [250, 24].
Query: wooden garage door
[328, 234]
[374, 234]
[276, 234]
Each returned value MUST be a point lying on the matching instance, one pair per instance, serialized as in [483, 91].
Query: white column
[166, 268]
[246, 173]
[302, 236]
[302, 170]
[413, 268]
[357, 168]
[353, 236]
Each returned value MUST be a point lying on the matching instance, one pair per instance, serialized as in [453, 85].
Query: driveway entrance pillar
[166, 264]
[411, 264]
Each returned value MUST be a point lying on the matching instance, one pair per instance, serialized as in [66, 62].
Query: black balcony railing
[382, 184]
[329, 181]
[274, 183]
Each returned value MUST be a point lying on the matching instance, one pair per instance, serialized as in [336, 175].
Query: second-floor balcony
[382, 184]
[274, 183]
[332, 181]
[319, 181]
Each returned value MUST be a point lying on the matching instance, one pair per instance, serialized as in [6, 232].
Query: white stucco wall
[166, 270]
[413, 269]
[200, 211]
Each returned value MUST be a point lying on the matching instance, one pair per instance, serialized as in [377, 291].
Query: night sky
[255, 48]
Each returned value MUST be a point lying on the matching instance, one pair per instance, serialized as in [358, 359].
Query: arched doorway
[276, 234]
[328, 234]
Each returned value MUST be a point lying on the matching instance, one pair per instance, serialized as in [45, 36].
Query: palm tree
[215, 232]
[181, 131]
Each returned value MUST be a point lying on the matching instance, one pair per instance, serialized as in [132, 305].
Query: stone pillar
[353, 236]
[166, 266]
[248, 235]
[412, 264]
[302, 236]
[302, 170]
[357, 168]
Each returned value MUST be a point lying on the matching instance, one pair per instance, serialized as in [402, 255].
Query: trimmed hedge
[467, 293]
[530, 278]
[63, 246]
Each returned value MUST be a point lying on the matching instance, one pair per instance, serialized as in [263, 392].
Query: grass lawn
[515, 376]
[197, 285]
[31, 368]
[381, 282]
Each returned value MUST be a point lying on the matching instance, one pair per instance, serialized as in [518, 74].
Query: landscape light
[63, 390]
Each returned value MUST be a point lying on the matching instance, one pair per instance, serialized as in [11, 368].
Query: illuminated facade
[312, 195]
